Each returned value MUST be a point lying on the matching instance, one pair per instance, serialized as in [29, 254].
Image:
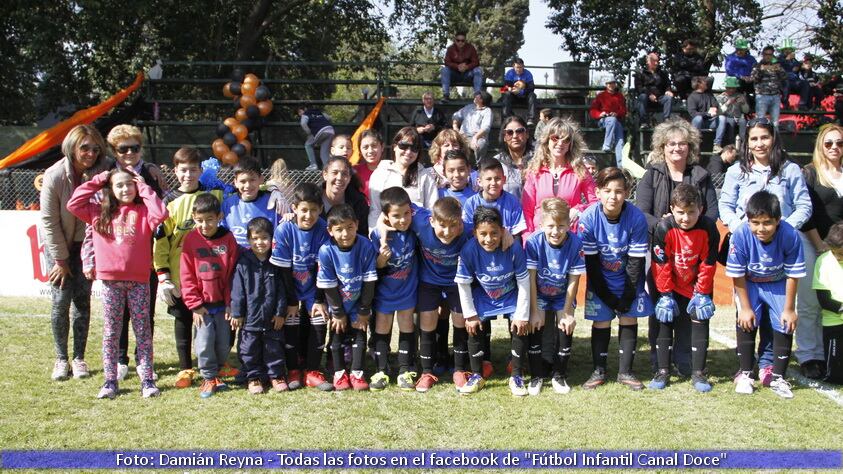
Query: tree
[829, 32]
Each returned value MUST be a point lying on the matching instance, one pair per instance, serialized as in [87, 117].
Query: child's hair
[447, 209]
[589, 160]
[763, 203]
[834, 239]
[696, 81]
[307, 192]
[258, 224]
[206, 203]
[546, 113]
[368, 133]
[609, 174]
[490, 164]
[487, 215]
[685, 196]
[455, 155]
[109, 204]
[728, 149]
[187, 155]
[394, 196]
[556, 209]
[341, 213]
[247, 164]
[340, 137]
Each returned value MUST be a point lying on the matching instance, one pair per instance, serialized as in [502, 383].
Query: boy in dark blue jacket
[258, 307]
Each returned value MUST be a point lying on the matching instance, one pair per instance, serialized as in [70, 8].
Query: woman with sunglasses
[824, 177]
[516, 153]
[84, 157]
[557, 170]
[764, 165]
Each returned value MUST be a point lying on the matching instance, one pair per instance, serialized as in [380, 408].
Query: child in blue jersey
[395, 293]
[458, 175]
[492, 180]
[555, 262]
[765, 262]
[493, 282]
[296, 251]
[249, 202]
[615, 241]
[348, 274]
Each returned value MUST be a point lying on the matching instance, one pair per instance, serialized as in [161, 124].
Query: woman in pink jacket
[557, 170]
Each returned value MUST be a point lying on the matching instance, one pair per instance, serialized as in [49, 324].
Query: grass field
[36, 413]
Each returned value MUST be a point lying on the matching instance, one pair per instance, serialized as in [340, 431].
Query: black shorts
[431, 297]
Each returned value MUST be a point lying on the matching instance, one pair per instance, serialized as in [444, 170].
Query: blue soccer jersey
[299, 250]
[508, 205]
[762, 263]
[399, 280]
[553, 265]
[438, 260]
[347, 270]
[237, 214]
[460, 196]
[496, 291]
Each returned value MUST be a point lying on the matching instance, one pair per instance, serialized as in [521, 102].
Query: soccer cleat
[517, 387]
[743, 383]
[473, 385]
[228, 371]
[294, 379]
[700, 382]
[488, 369]
[341, 381]
[139, 370]
[206, 390]
[426, 381]
[60, 369]
[108, 390]
[460, 378]
[378, 382]
[630, 381]
[560, 385]
[122, 371]
[660, 380]
[279, 384]
[315, 379]
[255, 387]
[219, 385]
[535, 386]
[765, 374]
[781, 387]
[406, 381]
[598, 378]
[149, 390]
[185, 378]
[358, 383]
[80, 369]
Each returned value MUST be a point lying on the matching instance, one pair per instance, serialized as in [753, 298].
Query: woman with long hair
[516, 153]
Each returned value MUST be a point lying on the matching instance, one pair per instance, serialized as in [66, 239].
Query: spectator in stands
[609, 109]
[516, 152]
[739, 65]
[792, 67]
[474, 122]
[320, 132]
[838, 103]
[428, 120]
[717, 164]
[676, 152]
[461, 66]
[734, 107]
[544, 117]
[807, 74]
[519, 87]
[84, 156]
[768, 76]
[687, 65]
[342, 186]
[705, 112]
[653, 85]
[446, 140]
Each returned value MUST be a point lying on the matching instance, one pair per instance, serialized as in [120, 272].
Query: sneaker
[139, 370]
[122, 371]
[560, 385]
[605, 149]
[80, 369]
[206, 390]
[716, 149]
[316, 379]
[700, 382]
[743, 383]
[460, 378]
[255, 387]
[108, 390]
[185, 378]
[517, 387]
[535, 387]
[473, 385]
[630, 381]
[781, 387]
[378, 382]
[660, 380]
[426, 381]
[312, 168]
[60, 369]
[219, 385]
[228, 371]
[406, 381]
[341, 381]
[811, 369]
[598, 378]
[294, 379]
[765, 375]
[359, 383]
[149, 390]
[530, 123]
[279, 384]
[488, 369]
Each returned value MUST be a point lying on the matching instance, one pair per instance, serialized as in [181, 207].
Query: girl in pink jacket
[123, 223]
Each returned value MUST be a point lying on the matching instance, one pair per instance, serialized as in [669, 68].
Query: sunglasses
[556, 138]
[830, 143]
[518, 131]
[123, 149]
[86, 148]
[459, 40]
[759, 121]
[404, 146]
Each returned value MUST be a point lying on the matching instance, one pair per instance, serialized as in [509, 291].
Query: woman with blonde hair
[446, 140]
[557, 170]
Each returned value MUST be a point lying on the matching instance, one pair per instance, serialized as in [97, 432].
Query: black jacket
[699, 103]
[420, 119]
[689, 66]
[652, 194]
[257, 292]
[828, 207]
[647, 82]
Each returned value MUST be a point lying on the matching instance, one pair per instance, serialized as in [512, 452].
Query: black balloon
[234, 87]
[237, 75]
[250, 123]
[229, 139]
[253, 111]
[239, 149]
[222, 129]
[262, 93]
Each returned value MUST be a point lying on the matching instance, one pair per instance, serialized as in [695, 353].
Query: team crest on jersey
[492, 267]
[554, 264]
[659, 253]
[346, 268]
[612, 237]
[304, 247]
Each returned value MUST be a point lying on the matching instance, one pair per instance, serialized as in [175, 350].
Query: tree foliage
[829, 34]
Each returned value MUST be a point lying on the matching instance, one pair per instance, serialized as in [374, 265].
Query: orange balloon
[240, 115]
[247, 145]
[251, 78]
[219, 147]
[247, 101]
[240, 131]
[230, 158]
[226, 90]
[248, 88]
[230, 122]
[265, 107]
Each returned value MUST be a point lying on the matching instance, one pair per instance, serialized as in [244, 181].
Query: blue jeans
[211, 343]
[768, 103]
[718, 124]
[731, 124]
[473, 77]
[665, 101]
[75, 295]
[613, 138]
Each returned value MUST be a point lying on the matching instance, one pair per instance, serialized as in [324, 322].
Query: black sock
[534, 353]
[549, 343]
[475, 352]
[487, 339]
[381, 351]
[291, 348]
[600, 347]
[699, 345]
[337, 352]
[316, 345]
[518, 345]
[664, 341]
[564, 354]
[441, 348]
[428, 339]
[184, 334]
[746, 348]
[405, 349]
[460, 349]
[627, 339]
[782, 344]
[358, 348]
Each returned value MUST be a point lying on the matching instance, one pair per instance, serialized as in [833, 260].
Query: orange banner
[54, 135]
[367, 123]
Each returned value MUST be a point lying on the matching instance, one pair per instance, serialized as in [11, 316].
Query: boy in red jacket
[609, 109]
[208, 257]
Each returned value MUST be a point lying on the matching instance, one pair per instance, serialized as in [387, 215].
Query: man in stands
[687, 65]
[792, 66]
[461, 66]
[653, 85]
[739, 64]
[428, 120]
[519, 87]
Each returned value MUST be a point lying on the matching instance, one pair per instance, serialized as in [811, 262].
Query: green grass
[36, 413]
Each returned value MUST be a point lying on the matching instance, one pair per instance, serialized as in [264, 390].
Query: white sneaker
[781, 387]
[80, 369]
[560, 385]
[312, 168]
[744, 383]
[122, 371]
[516, 386]
[60, 369]
[139, 370]
[535, 386]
